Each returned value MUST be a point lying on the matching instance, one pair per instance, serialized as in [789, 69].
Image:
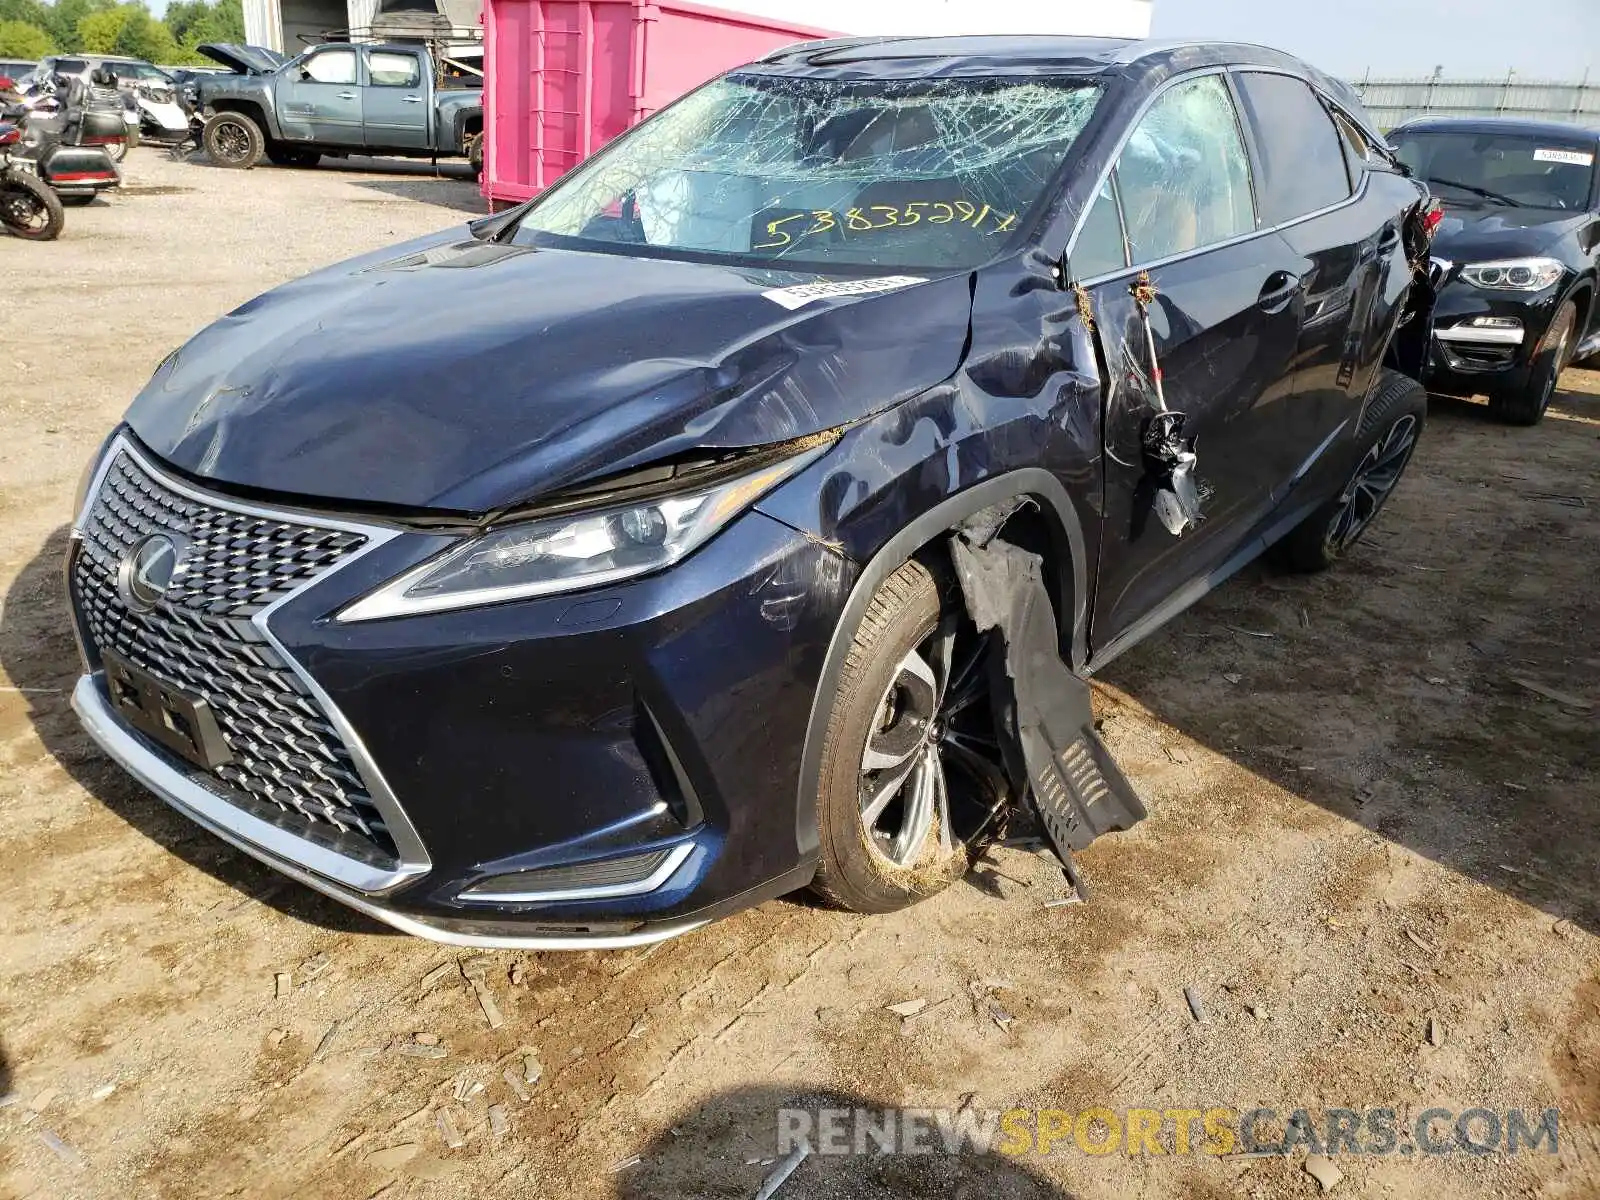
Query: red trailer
[564, 77]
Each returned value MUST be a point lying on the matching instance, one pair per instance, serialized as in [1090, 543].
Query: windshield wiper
[1479, 191]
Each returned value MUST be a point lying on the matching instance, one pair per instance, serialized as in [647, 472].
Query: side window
[1357, 150]
[1303, 162]
[1101, 247]
[1184, 175]
[389, 69]
[331, 66]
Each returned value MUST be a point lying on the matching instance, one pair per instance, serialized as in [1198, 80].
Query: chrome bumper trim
[638, 887]
[257, 839]
[1468, 335]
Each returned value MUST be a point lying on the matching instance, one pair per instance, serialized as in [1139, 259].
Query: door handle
[347, 95]
[1388, 240]
[1278, 292]
[411, 99]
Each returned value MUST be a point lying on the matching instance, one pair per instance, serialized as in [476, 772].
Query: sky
[1539, 39]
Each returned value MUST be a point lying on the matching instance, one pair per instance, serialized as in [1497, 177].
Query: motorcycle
[28, 209]
[69, 133]
[161, 116]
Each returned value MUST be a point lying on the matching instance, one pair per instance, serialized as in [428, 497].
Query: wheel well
[244, 108]
[473, 124]
[1046, 523]
[1029, 529]
[1583, 296]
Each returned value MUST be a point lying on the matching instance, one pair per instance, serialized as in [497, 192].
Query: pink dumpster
[564, 77]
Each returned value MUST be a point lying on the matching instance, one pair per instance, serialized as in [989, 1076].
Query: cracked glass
[1184, 179]
[813, 172]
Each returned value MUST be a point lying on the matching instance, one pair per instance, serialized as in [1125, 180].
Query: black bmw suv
[747, 511]
[1516, 259]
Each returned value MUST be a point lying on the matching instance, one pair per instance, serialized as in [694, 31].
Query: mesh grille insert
[288, 760]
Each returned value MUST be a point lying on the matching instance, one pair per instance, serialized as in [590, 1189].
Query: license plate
[182, 723]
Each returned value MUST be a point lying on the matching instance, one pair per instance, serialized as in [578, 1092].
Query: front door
[1197, 313]
[395, 101]
[319, 100]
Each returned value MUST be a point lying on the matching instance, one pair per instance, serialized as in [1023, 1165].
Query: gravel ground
[1372, 856]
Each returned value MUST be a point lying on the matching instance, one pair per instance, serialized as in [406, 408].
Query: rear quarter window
[1302, 155]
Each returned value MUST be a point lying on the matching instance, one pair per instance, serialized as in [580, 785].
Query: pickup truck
[337, 98]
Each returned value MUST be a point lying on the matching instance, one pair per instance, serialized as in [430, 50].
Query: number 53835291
[797, 226]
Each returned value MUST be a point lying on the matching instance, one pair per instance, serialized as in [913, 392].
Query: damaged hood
[246, 60]
[466, 375]
[1488, 231]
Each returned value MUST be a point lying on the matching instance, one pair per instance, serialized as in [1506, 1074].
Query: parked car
[748, 510]
[1517, 256]
[15, 68]
[339, 99]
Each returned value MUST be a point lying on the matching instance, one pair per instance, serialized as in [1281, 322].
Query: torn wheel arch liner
[1033, 483]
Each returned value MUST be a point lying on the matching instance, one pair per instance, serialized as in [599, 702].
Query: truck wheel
[291, 156]
[909, 785]
[233, 140]
[1528, 406]
[1393, 420]
[475, 152]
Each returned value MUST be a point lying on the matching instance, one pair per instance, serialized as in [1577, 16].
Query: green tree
[194, 22]
[98, 32]
[22, 39]
[30, 12]
[62, 17]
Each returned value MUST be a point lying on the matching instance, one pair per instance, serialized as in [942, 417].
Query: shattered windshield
[813, 172]
[1513, 170]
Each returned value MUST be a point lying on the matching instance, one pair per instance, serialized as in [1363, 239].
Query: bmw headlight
[571, 551]
[1514, 274]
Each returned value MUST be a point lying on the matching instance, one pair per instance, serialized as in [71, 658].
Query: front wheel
[233, 140]
[29, 209]
[1528, 405]
[1393, 422]
[910, 791]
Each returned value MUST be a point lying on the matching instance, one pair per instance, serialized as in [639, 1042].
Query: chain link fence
[1394, 101]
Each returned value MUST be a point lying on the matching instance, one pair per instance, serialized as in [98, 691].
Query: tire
[879, 863]
[1528, 405]
[475, 152]
[117, 151]
[233, 140]
[1390, 429]
[30, 210]
[289, 156]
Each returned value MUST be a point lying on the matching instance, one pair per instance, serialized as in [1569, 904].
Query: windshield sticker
[1573, 158]
[797, 297]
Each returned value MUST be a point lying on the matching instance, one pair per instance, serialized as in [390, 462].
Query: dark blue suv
[747, 511]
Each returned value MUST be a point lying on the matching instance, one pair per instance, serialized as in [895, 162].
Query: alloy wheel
[929, 766]
[1376, 476]
[233, 141]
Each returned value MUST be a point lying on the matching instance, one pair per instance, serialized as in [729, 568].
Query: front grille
[287, 758]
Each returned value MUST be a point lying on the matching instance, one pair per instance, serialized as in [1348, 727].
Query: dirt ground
[1362, 821]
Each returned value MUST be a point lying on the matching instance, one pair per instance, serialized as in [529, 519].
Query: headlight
[1515, 274]
[573, 551]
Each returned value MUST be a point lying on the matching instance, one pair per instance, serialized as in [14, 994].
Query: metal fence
[1393, 101]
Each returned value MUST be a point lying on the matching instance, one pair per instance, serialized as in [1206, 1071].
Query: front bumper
[1472, 351]
[533, 743]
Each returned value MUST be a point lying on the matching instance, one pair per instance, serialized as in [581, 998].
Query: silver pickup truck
[335, 99]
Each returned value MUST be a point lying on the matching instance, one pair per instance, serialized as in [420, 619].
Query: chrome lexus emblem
[147, 570]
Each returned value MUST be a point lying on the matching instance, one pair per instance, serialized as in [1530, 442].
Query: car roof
[1145, 63]
[1511, 125]
[1006, 54]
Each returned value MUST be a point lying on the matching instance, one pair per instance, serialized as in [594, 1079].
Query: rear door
[319, 100]
[1196, 309]
[395, 101]
[1342, 238]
